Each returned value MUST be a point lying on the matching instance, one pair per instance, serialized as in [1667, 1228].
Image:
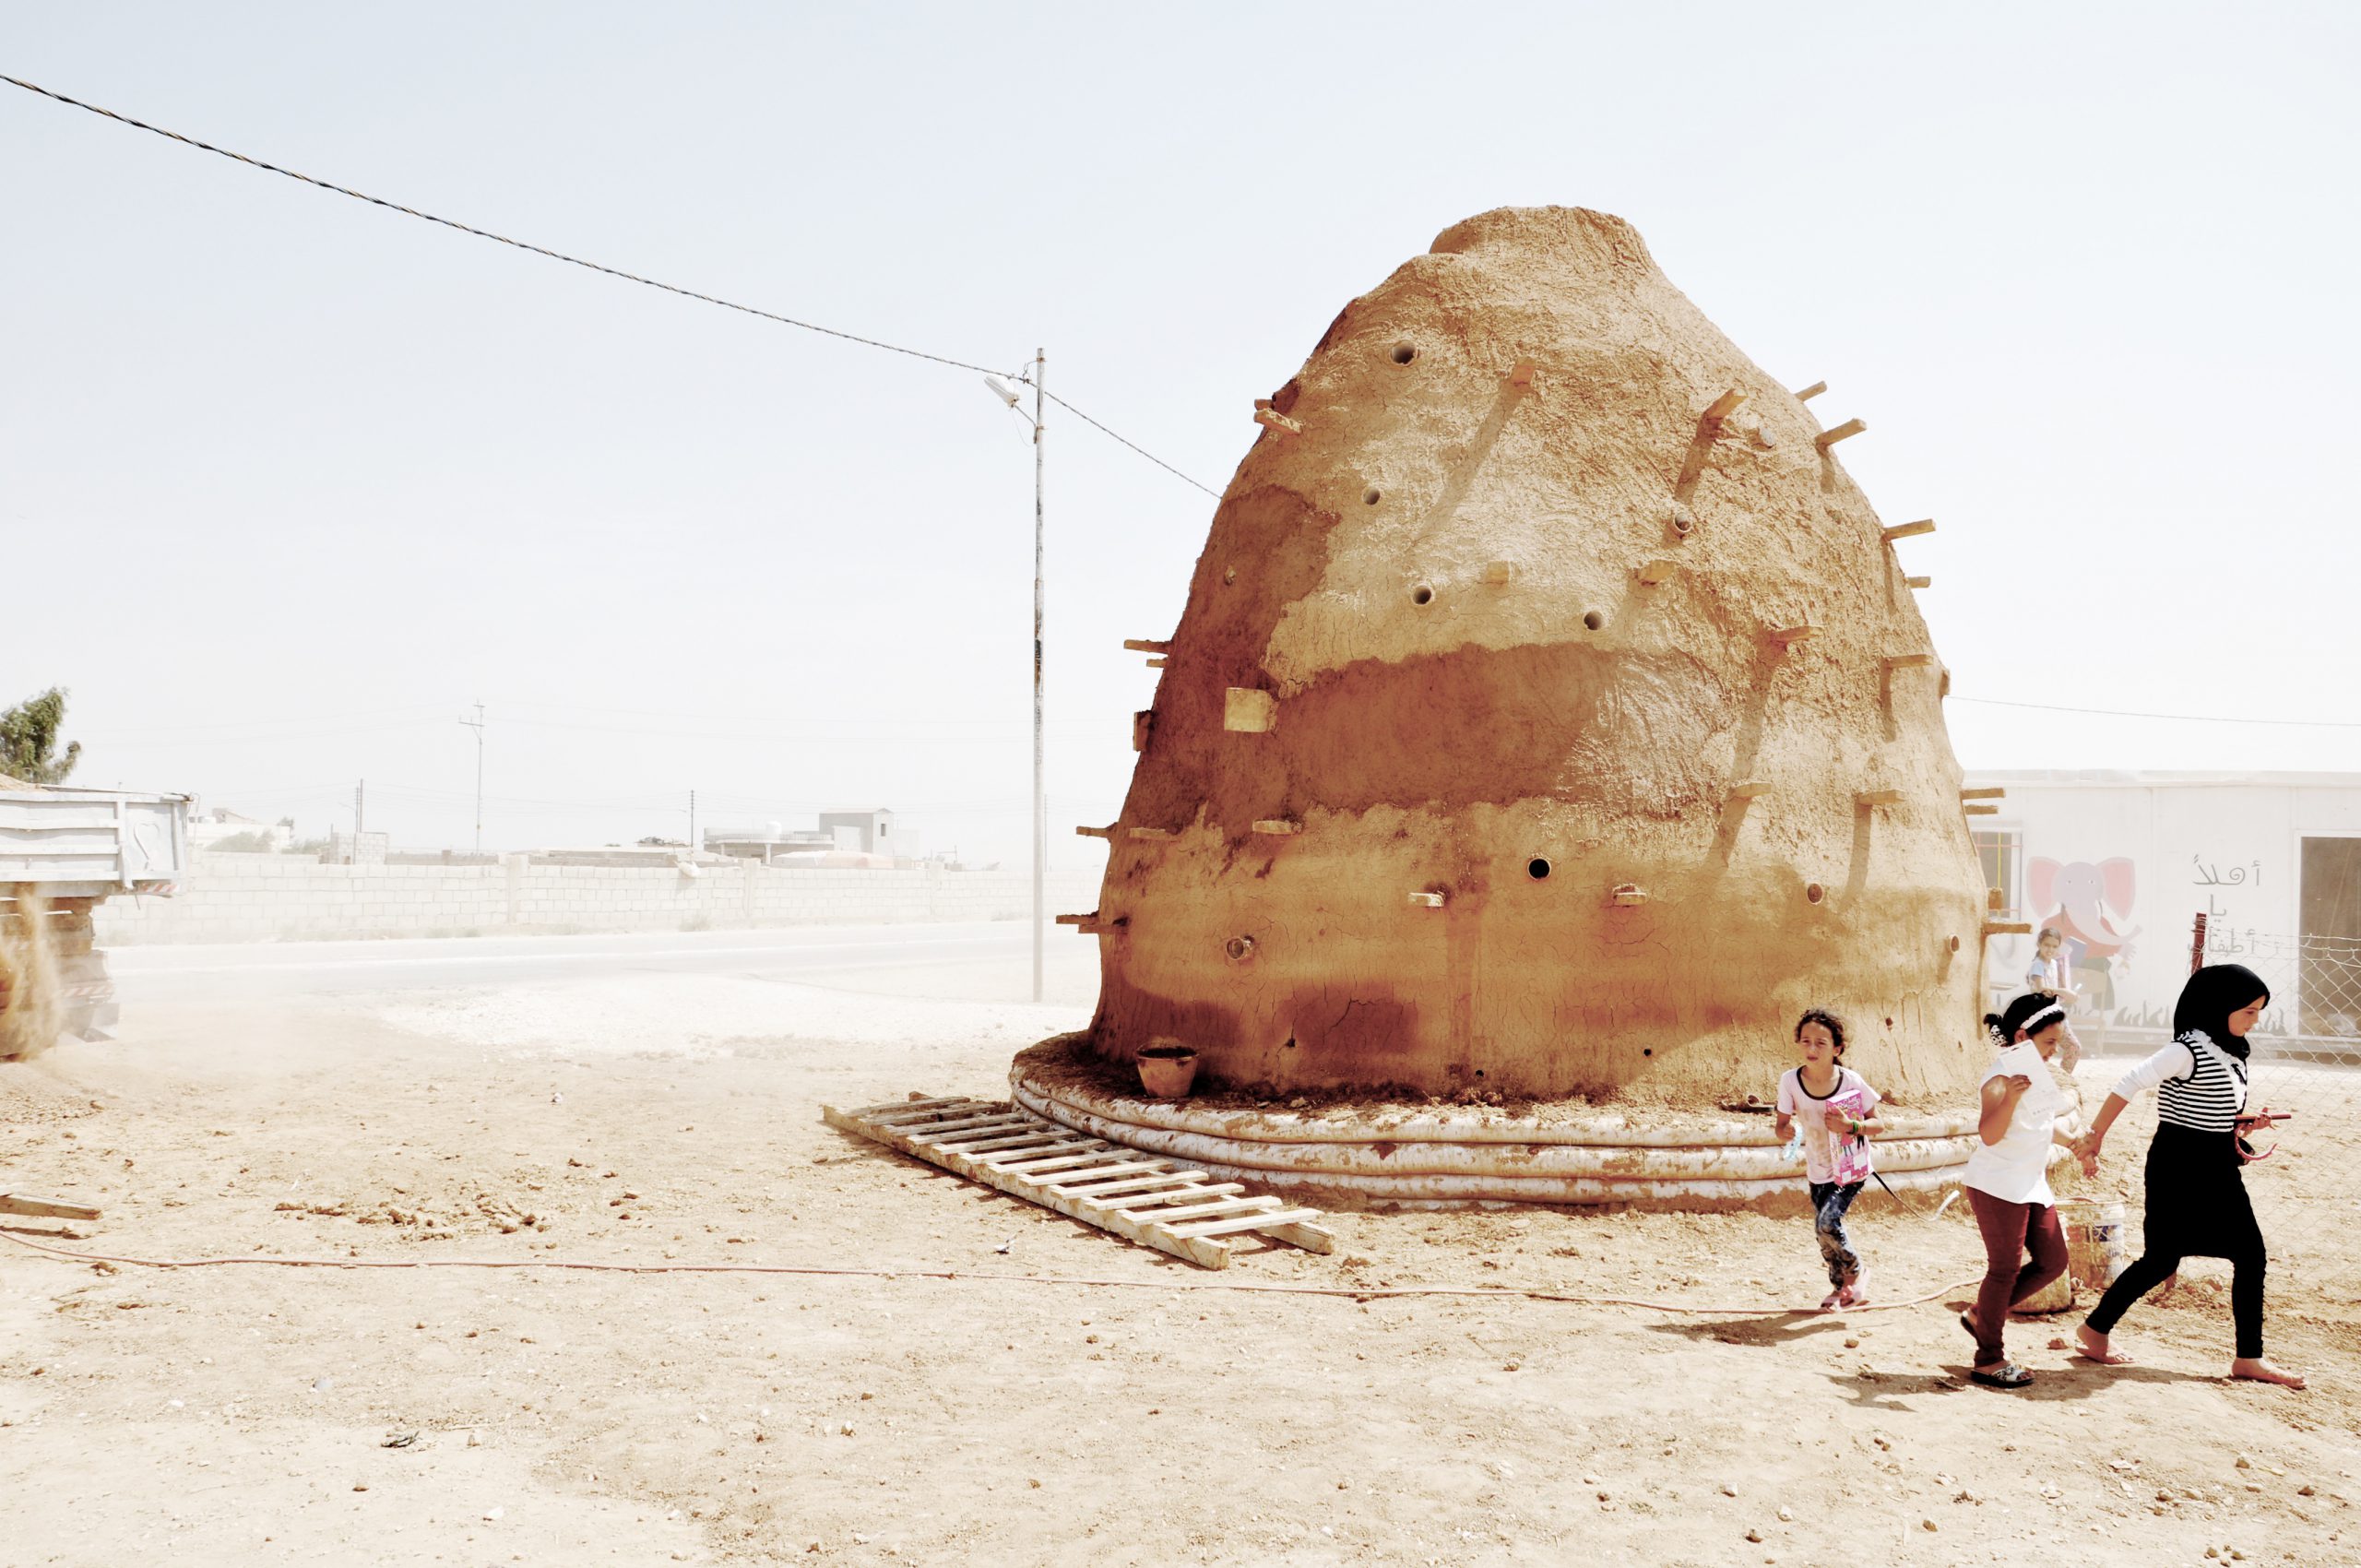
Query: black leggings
[2197, 1207]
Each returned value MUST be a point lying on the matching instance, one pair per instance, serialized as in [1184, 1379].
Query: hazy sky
[287, 482]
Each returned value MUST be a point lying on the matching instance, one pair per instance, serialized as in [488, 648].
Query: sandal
[2008, 1374]
[1833, 1301]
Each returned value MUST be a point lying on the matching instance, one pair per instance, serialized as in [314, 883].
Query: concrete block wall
[238, 898]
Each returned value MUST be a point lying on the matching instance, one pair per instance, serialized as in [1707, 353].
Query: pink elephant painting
[2091, 905]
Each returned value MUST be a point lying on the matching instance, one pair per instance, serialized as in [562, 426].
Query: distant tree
[243, 844]
[28, 740]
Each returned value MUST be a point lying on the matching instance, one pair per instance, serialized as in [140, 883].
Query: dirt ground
[251, 1414]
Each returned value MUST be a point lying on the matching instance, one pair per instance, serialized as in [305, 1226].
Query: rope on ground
[1350, 1292]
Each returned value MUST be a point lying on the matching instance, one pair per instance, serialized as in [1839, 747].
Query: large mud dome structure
[1550, 718]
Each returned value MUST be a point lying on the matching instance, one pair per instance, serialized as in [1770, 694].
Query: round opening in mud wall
[1240, 949]
[1422, 594]
[1372, 496]
[1404, 352]
[1952, 945]
[1537, 868]
[1814, 893]
[1595, 618]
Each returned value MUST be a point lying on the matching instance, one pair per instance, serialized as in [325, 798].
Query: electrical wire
[1134, 445]
[1350, 1292]
[2175, 717]
[591, 265]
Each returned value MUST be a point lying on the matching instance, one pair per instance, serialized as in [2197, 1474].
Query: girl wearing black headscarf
[2197, 1199]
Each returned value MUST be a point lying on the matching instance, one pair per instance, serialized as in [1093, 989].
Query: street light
[1040, 802]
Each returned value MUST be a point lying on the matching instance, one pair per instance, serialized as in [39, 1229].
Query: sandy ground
[243, 1414]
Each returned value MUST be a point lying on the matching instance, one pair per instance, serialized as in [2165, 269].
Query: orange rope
[1351, 1292]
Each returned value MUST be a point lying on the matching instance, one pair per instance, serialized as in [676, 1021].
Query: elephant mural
[2091, 907]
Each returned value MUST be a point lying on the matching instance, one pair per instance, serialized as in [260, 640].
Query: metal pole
[693, 825]
[1040, 802]
[479, 726]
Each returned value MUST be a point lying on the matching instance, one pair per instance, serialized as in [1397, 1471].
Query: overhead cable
[2175, 717]
[581, 262]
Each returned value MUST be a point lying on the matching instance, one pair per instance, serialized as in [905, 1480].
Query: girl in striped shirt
[2197, 1199]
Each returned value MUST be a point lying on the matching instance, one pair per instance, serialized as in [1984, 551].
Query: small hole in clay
[1371, 497]
[1422, 594]
[1814, 892]
[1537, 868]
[1594, 620]
[1889, 1023]
[1479, 1072]
[1647, 1051]
[1240, 949]
[1954, 944]
[1404, 352]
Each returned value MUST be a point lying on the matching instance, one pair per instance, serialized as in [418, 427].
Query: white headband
[2041, 1020]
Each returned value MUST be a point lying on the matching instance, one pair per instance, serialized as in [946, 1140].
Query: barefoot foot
[2254, 1369]
[1833, 1301]
[2094, 1347]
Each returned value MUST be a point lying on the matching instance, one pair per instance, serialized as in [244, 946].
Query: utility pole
[1039, 379]
[476, 724]
[360, 812]
[1040, 802]
[693, 825]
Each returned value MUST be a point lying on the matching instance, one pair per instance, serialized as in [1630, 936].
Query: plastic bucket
[2096, 1247]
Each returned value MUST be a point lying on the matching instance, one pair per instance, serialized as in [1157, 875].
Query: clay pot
[1167, 1070]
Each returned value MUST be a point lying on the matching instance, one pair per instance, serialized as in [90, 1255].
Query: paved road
[815, 953]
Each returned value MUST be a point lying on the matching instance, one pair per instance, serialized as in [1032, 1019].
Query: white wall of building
[2124, 862]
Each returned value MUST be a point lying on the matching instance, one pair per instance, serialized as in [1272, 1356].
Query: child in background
[1833, 1111]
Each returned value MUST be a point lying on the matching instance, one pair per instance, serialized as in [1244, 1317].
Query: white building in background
[2122, 864]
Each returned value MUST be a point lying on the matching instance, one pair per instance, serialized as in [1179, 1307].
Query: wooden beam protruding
[1142, 722]
[1270, 419]
[1809, 393]
[1106, 832]
[1917, 582]
[1984, 792]
[1884, 795]
[1628, 894]
[1906, 530]
[1497, 573]
[1994, 898]
[1652, 573]
[1971, 809]
[2008, 927]
[1146, 645]
[1521, 374]
[1249, 710]
[1277, 827]
[1151, 833]
[1427, 900]
[1723, 406]
[1749, 789]
[1908, 660]
[1844, 432]
[1793, 634]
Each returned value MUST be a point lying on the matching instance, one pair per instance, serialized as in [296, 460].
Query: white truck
[62, 851]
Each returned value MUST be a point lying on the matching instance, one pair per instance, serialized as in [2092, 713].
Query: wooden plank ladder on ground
[1165, 1203]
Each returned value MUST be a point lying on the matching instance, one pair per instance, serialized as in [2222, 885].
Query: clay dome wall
[1543, 719]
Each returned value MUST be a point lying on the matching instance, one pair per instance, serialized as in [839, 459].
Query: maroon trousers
[2010, 1231]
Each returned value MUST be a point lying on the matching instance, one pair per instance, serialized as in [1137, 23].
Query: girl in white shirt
[2197, 1198]
[2008, 1178]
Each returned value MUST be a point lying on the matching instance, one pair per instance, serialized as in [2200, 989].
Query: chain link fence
[2305, 1059]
